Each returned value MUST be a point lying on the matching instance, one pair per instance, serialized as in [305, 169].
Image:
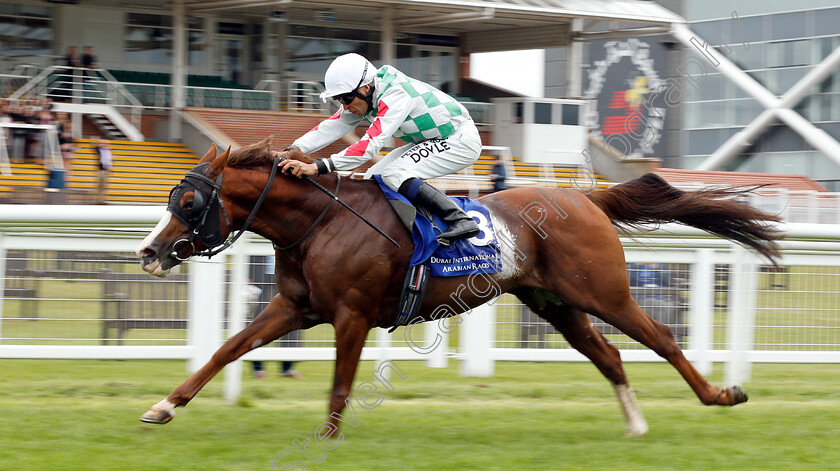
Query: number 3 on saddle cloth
[461, 257]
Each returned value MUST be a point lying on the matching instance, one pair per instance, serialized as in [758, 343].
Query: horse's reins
[334, 197]
[216, 194]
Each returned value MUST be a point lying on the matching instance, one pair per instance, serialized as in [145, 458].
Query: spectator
[498, 174]
[88, 59]
[16, 114]
[65, 138]
[71, 59]
[6, 118]
[30, 116]
[106, 162]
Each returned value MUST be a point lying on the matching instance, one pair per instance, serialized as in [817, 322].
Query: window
[570, 115]
[542, 113]
[27, 29]
[518, 112]
[148, 39]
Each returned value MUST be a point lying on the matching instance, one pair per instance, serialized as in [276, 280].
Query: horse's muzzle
[152, 264]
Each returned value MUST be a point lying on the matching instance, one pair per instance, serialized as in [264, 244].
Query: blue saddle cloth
[462, 256]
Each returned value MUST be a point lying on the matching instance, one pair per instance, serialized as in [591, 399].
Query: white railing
[57, 262]
[82, 85]
[306, 96]
[9, 83]
[51, 150]
[159, 96]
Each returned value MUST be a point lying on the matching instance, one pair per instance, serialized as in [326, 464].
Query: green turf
[82, 415]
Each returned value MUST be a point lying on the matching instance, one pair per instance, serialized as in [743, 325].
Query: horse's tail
[651, 200]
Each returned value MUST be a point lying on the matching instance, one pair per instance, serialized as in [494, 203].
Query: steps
[143, 173]
[107, 127]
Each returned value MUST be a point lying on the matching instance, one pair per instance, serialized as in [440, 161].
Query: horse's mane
[257, 155]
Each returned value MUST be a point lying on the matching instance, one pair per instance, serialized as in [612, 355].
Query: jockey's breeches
[429, 159]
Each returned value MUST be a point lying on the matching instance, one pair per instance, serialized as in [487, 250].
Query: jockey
[441, 136]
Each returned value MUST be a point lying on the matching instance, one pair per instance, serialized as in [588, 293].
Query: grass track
[82, 415]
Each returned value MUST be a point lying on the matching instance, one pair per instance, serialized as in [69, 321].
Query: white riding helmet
[347, 73]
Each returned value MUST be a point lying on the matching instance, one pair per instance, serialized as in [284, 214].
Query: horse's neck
[294, 206]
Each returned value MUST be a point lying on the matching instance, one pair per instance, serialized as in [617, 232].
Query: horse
[565, 261]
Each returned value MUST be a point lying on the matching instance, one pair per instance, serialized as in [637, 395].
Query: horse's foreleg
[350, 332]
[276, 320]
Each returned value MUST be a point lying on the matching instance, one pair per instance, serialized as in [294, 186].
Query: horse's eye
[188, 206]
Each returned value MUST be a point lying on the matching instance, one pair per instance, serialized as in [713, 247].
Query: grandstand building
[232, 72]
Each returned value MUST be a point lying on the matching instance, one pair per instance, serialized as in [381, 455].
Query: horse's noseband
[202, 218]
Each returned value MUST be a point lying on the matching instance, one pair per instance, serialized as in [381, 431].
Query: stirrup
[446, 238]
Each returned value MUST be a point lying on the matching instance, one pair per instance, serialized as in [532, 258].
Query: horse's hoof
[160, 413]
[738, 395]
[159, 417]
[637, 430]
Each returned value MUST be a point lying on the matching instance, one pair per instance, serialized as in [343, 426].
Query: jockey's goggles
[347, 98]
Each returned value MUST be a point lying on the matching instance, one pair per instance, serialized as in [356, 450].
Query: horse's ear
[215, 168]
[210, 155]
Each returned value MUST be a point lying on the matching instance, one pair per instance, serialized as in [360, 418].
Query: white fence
[73, 289]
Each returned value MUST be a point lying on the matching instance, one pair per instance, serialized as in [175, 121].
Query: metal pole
[574, 62]
[179, 69]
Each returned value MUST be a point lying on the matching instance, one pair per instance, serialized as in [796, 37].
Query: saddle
[462, 257]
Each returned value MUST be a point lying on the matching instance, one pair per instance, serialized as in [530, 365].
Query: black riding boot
[461, 226]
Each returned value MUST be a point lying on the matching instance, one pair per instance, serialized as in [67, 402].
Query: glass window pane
[751, 28]
[148, 45]
[570, 114]
[20, 35]
[827, 21]
[788, 25]
[744, 111]
[196, 54]
[710, 87]
[542, 113]
[746, 56]
[703, 142]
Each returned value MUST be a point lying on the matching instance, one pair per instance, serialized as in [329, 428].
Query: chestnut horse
[564, 260]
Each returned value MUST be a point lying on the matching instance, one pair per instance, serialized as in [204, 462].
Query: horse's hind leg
[629, 318]
[276, 320]
[585, 338]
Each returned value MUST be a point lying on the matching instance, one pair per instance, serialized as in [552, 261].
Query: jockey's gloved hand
[291, 152]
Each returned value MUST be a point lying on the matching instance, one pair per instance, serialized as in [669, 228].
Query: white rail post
[2, 279]
[238, 309]
[383, 341]
[476, 335]
[205, 310]
[437, 358]
[702, 313]
[741, 322]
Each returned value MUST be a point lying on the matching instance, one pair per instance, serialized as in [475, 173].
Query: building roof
[676, 176]
[546, 21]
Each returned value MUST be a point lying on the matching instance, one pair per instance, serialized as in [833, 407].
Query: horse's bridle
[206, 198]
